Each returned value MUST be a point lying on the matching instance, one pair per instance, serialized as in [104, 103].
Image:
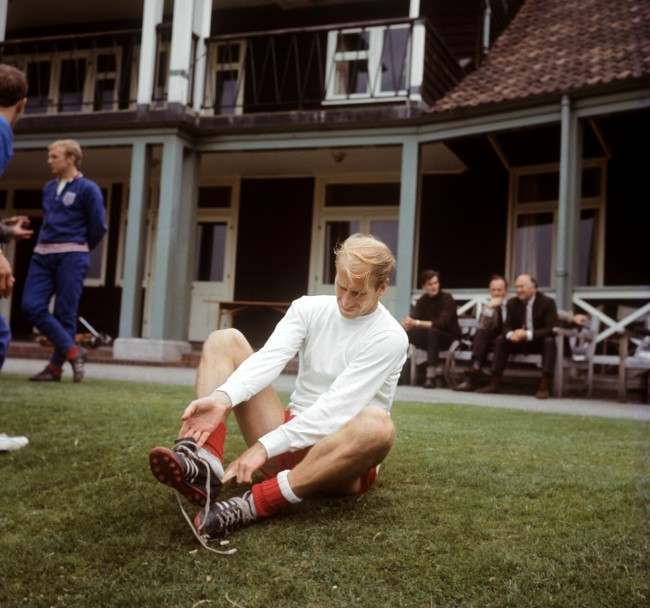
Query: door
[214, 256]
[275, 217]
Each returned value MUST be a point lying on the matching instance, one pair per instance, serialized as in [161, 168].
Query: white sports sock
[285, 488]
[214, 462]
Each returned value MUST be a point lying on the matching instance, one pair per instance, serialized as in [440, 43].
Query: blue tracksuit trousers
[62, 275]
[5, 337]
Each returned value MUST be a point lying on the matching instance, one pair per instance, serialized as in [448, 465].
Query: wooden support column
[135, 251]
[569, 206]
[410, 180]
[152, 15]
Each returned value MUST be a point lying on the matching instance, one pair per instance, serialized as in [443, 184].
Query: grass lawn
[474, 507]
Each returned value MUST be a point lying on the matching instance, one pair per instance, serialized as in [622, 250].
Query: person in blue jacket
[74, 222]
[13, 98]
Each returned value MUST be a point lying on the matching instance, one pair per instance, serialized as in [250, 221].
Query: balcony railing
[77, 73]
[272, 71]
[315, 67]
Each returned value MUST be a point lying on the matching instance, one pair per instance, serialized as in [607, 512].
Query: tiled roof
[558, 46]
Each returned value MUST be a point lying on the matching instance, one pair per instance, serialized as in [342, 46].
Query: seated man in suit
[493, 315]
[433, 324]
[528, 328]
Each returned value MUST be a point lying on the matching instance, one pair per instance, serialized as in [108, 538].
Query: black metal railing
[78, 72]
[309, 68]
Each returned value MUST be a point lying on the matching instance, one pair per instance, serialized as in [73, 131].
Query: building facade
[237, 141]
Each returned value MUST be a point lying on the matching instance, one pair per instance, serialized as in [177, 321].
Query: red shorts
[288, 460]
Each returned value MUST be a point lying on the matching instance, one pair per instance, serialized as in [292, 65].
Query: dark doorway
[275, 218]
[21, 329]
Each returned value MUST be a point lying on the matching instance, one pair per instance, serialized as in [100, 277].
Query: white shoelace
[201, 538]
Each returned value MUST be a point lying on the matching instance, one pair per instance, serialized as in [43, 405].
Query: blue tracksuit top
[6, 144]
[75, 216]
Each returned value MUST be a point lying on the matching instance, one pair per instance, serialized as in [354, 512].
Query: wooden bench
[459, 355]
[635, 362]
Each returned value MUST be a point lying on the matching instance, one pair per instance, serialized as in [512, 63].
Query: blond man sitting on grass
[337, 429]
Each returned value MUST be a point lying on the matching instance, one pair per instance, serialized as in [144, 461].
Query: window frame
[516, 209]
[228, 215]
[90, 77]
[363, 213]
[373, 55]
[214, 67]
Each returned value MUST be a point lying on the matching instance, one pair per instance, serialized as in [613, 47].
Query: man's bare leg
[197, 472]
[223, 352]
[335, 464]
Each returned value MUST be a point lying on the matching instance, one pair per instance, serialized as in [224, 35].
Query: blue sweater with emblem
[75, 216]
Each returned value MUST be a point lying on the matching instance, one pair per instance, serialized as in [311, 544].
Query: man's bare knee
[227, 341]
[374, 429]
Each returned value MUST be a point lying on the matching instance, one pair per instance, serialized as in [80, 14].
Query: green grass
[474, 507]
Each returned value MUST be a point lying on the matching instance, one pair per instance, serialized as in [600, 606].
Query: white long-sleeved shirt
[344, 366]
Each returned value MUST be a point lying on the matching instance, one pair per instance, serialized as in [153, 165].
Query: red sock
[55, 369]
[73, 351]
[216, 441]
[268, 498]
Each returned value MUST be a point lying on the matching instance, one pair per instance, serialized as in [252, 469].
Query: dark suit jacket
[544, 316]
[440, 310]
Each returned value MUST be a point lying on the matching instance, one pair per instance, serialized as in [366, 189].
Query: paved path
[185, 376]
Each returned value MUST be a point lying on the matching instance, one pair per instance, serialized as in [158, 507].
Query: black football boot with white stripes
[226, 516]
[194, 472]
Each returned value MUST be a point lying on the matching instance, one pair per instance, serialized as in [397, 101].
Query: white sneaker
[7, 444]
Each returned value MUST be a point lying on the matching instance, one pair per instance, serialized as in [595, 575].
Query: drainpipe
[487, 20]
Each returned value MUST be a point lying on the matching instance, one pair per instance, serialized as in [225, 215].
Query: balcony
[387, 62]
[316, 68]
[94, 72]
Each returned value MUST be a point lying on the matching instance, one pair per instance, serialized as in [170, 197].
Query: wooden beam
[598, 132]
[496, 146]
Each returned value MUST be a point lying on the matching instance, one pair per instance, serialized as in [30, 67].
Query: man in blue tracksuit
[74, 223]
[13, 98]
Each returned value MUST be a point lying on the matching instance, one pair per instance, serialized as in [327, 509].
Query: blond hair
[365, 258]
[70, 148]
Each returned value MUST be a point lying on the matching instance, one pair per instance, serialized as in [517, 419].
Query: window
[38, 94]
[534, 246]
[72, 80]
[535, 222]
[106, 70]
[225, 85]
[335, 233]
[349, 207]
[210, 251]
[75, 82]
[368, 63]
[588, 245]
[162, 72]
